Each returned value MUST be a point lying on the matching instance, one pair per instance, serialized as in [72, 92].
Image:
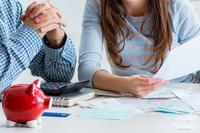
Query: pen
[53, 114]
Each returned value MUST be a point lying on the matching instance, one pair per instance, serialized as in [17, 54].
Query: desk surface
[142, 123]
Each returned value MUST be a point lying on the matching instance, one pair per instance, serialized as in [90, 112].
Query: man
[38, 43]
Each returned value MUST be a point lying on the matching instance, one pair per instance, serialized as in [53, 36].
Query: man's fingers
[40, 9]
[49, 28]
[44, 24]
[49, 14]
[43, 12]
[54, 20]
[58, 12]
[51, 21]
[45, 16]
[55, 10]
[30, 8]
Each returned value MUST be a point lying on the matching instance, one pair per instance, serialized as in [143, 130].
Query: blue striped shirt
[138, 49]
[21, 48]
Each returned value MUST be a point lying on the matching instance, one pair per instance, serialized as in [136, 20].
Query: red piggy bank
[24, 104]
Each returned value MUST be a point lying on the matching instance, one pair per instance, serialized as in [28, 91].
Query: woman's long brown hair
[113, 25]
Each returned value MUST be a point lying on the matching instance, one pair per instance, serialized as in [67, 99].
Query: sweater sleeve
[91, 46]
[188, 21]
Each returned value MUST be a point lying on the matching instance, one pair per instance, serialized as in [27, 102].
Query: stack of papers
[139, 106]
[163, 100]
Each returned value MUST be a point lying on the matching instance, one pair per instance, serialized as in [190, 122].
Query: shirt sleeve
[18, 49]
[56, 65]
[188, 21]
[91, 46]
[16, 53]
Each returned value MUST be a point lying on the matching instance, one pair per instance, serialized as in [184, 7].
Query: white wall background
[72, 11]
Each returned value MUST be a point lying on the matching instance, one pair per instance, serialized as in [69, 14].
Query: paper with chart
[181, 61]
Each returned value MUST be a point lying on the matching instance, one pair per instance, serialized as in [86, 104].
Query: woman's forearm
[107, 81]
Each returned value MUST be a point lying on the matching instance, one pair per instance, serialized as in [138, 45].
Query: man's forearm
[16, 53]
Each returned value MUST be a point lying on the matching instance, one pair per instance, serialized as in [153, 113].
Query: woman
[137, 35]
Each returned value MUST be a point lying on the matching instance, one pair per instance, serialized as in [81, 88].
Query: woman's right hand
[140, 85]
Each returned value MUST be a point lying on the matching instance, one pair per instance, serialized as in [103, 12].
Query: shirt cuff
[65, 51]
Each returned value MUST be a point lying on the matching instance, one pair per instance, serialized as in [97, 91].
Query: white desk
[143, 123]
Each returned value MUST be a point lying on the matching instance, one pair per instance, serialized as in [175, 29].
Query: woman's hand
[46, 20]
[139, 85]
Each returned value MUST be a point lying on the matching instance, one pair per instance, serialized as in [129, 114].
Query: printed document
[181, 61]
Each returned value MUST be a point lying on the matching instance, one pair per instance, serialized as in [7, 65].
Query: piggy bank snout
[48, 101]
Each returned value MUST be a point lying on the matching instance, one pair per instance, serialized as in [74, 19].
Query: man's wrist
[55, 44]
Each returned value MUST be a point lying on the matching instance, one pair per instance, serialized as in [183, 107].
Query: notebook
[73, 98]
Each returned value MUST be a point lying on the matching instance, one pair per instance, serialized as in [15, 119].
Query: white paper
[190, 96]
[186, 118]
[181, 61]
[110, 103]
[161, 93]
[135, 105]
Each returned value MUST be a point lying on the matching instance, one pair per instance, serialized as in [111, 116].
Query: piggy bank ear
[31, 89]
[37, 83]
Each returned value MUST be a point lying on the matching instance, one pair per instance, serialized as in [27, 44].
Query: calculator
[62, 88]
